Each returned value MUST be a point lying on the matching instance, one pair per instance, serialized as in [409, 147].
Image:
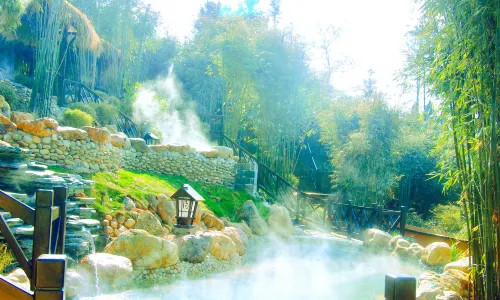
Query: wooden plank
[60, 197]
[14, 246]
[10, 290]
[17, 208]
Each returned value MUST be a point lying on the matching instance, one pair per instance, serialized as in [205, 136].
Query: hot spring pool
[298, 270]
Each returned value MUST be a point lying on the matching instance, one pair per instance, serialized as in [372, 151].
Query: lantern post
[186, 204]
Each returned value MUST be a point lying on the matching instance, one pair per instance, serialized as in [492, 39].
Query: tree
[10, 15]
[275, 11]
[370, 85]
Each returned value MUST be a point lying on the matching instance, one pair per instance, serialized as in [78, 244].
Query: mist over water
[177, 122]
[288, 271]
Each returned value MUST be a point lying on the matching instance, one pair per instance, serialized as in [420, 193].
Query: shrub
[77, 118]
[10, 95]
[105, 113]
[24, 80]
[88, 108]
[6, 257]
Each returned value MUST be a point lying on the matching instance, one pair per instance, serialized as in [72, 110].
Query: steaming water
[178, 122]
[92, 251]
[287, 271]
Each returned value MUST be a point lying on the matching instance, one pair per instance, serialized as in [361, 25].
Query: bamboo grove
[460, 41]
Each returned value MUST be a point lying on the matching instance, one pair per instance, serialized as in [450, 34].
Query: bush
[106, 113]
[448, 218]
[6, 257]
[24, 80]
[10, 95]
[88, 108]
[77, 118]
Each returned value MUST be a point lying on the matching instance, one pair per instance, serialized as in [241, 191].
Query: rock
[98, 135]
[432, 285]
[415, 251]
[238, 237]
[129, 223]
[221, 246]
[112, 270]
[280, 222]
[211, 221]
[128, 204]
[461, 264]
[242, 225]
[197, 215]
[251, 216]
[75, 284]
[166, 210]
[224, 152]
[19, 116]
[376, 239]
[18, 276]
[438, 253]
[402, 248]
[117, 139]
[4, 107]
[210, 153]
[139, 144]
[193, 248]
[393, 241]
[149, 222]
[72, 134]
[39, 127]
[144, 250]
[6, 125]
[120, 217]
[462, 278]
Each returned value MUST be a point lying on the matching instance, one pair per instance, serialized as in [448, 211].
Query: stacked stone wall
[92, 150]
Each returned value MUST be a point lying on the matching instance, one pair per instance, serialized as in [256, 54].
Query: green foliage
[111, 188]
[77, 118]
[6, 257]
[85, 107]
[24, 80]
[10, 14]
[10, 95]
[105, 113]
[361, 135]
[448, 219]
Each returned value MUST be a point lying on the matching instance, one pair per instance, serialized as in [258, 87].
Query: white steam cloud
[178, 122]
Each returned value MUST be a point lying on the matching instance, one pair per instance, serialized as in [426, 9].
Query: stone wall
[92, 149]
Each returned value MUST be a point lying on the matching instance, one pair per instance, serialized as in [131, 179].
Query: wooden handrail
[11, 290]
[17, 208]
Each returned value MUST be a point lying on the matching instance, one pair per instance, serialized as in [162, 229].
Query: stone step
[80, 200]
[244, 180]
[83, 212]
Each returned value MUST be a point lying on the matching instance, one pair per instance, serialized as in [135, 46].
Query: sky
[372, 35]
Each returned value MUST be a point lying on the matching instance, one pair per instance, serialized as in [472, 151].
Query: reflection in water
[287, 271]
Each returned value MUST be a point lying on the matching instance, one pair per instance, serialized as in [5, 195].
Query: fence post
[349, 219]
[42, 236]
[60, 196]
[50, 277]
[402, 221]
[379, 217]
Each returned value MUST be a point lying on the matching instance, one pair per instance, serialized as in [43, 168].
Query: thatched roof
[74, 19]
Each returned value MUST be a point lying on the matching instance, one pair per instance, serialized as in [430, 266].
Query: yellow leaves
[475, 228]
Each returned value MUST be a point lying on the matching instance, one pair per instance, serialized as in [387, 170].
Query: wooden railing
[75, 91]
[46, 269]
[125, 124]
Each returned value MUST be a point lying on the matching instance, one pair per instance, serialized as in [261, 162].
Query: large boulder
[19, 116]
[118, 139]
[193, 248]
[6, 125]
[376, 240]
[4, 107]
[139, 144]
[221, 246]
[111, 270]
[238, 237]
[166, 210]
[128, 204]
[210, 153]
[241, 225]
[251, 216]
[461, 264]
[438, 253]
[40, 127]
[279, 221]
[144, 250]
[98, 135]
[72, 134]
[75, 284]
[149, 222]
[432, 285]
[211, 221]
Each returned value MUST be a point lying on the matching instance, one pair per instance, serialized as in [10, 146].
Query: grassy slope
[112, 187]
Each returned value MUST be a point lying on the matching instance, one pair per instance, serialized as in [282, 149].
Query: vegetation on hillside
[111, 188]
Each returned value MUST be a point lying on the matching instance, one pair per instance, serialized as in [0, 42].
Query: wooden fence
[46, 269]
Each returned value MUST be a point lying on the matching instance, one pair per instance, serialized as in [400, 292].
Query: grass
[6, 257]
[110, 189]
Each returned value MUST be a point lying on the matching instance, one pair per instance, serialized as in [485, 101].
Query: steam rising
[287, 270]
[177, 122]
